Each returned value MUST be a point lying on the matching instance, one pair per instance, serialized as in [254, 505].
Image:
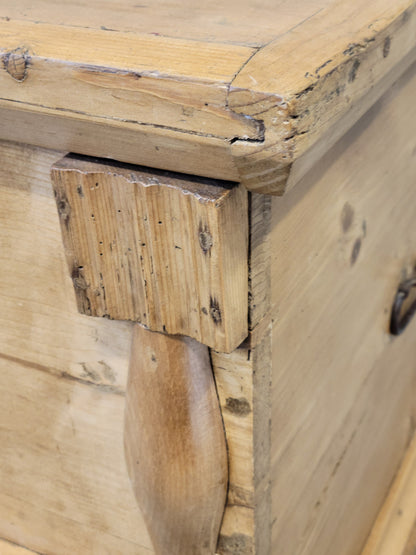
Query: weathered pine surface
[64, 486]
[249, 92]
[169, 251]
[64, 483]
[334, 270]
[343, 388]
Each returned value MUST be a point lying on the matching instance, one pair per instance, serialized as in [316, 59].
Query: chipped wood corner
[305, 108]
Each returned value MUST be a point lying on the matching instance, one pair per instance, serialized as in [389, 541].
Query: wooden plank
[392, 531]
[40, 323]
[171, 85]
[259, 263]
[156, 248]
[237, 22]
[343, 387]
[167, 56]
[64, 484]
[234, 378]
[180, 152]
[243, 382]
[115, 84]
[297, 78]
[308, 158]
[174, 441]
[411, 542]
[64, 487]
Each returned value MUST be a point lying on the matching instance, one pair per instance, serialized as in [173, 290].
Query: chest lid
[247, 91]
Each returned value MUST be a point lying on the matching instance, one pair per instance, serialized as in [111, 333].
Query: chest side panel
[343, 387]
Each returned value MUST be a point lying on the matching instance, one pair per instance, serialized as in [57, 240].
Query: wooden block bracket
[170, 253]
[161, 249]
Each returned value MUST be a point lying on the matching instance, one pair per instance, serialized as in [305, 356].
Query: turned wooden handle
[174, 443]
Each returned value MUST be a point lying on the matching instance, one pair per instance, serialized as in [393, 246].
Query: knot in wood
[16, 63]
[215, 312]
[205, 240]
[64, 208]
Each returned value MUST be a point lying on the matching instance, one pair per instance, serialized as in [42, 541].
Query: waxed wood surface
[258, 85]
[175, 443]
[343, 389]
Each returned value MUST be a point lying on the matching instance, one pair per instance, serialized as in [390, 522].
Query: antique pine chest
[208, 257]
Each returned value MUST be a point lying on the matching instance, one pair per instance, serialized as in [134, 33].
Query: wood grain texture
[36, 292]
[107, 79]
[108, 82]
[343, 388]
[411, 542]
[156, 248]
[237, 22]
[243, 380]
[174, 442]
[64, 485]
[275, 91]
[393, 531]
[120, 141]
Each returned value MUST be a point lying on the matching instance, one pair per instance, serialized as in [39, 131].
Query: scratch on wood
[356, 47]
[321, 67]
[108, 372]
[347, 217]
